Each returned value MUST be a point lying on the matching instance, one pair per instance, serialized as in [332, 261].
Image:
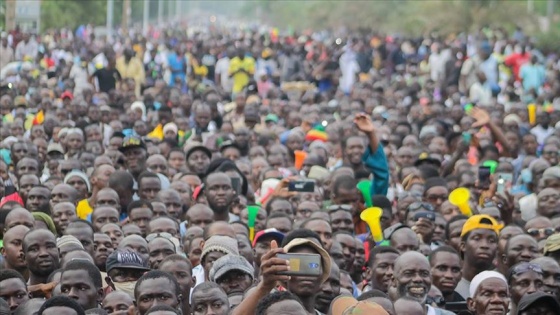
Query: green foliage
[549, 41]
[72, 13]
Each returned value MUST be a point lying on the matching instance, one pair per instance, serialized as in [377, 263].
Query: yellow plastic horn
[460, 198]
[372, 217]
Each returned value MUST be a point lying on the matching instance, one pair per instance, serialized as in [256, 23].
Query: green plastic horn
[252, 215]
[493, 165]
[365, 188]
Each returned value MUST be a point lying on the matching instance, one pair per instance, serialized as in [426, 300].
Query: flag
[157, 133]
[10, 193]
[39, 118]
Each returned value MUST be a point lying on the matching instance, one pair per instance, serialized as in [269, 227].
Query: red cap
[67, 94]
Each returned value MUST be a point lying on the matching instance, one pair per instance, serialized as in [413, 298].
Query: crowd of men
[172, 173]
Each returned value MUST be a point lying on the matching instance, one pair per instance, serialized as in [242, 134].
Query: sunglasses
[434, 198]
[334, 208]
[420, 205]
[525, 267]
[545, 231]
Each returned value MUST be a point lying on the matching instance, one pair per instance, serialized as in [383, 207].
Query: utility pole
[110, 16]
[10, 15]
[125, 16]
[145, 17]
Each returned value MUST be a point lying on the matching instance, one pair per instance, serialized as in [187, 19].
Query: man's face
[62, 193]
[480, 248]
[522, 248]
[173, 204]
[382, 271]
[27, 182]
[84, 234]
[38, 199]
[141, 217]
[19, 150]
[177, 160]
[74, 142]
[491, 297]
[213, 301]
[198, 162]
[348, 244]
[446, 271]
[152, 292]
[219, 192]
[148, 188]
[101, 179]
[79, 184]
[329, 290]
[104, 215]
[324, 230]
[103, 248]
[62, 215]
[181, 270]
[77, 285]
[159, 248]
[27, 166]
[13, 250]
[341, 220]
[436, 196]
[455, 234]
[117, 303]
[114, 232]
[200, 216]
[41, 253]
[108, 198]
[202, 117]
[14, 292]
[235, 281]
[163, 225]
[135, 159]
[525, 283]
[414, 279]
[354, 150]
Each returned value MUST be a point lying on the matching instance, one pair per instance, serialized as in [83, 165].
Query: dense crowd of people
[240, 171]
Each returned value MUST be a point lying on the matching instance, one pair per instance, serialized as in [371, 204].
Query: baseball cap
[126, 259]
[55, 147]
[271, 117]
[132, 142]
[105, 108]
[537, 298]
[67, 94]
[481, 221]
[272, 232]
[228, 263]
[425, 158]
[552, 244]
[20, 101]
[228, 144]
[325, 258]
[348, 305]
[198, 147]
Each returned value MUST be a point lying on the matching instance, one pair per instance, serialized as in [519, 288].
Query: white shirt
[222, 69]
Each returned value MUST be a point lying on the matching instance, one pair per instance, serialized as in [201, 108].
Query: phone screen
[236, 184]
[505, 181]
[484, 177]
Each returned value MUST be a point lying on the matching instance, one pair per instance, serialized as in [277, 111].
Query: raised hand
[481, 116]
[271, 266]
[364, 123]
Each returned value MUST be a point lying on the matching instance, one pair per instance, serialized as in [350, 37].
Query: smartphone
[301, 186]
[236, 185]
[302, 264]
[425, 214]
[505, 181]
[484, 177]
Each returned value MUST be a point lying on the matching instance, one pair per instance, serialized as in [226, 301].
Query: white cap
[477, 280]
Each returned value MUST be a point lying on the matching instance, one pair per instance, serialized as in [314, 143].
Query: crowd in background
[162, 174]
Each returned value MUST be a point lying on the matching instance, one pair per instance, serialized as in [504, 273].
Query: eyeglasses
[334, 208]
[545, 231]
[420, 205]
[525, 267]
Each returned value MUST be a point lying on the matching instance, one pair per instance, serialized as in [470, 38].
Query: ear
[367, 273]
[180, 299]
[471, 305]
[462, 246]
[504, 259]
[110, 282]
[193, 281]
[100, 295]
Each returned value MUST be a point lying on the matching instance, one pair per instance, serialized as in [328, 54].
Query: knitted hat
[41, 216]
[81, 175]
[220, 243]
[170, 127]
[229, 263]
[68, 240]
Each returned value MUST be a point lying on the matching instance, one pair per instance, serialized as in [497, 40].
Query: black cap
[538, 298]
[199, 148]
[132, 142]
[126, 259]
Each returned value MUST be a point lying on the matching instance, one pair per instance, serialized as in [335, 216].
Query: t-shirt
[83, 209]
[107, 79]
[241, 79]
[463, 288]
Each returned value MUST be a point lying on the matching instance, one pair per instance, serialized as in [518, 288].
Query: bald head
[219, 228]
[19, 216]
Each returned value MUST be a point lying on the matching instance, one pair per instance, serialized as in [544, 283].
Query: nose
[12, 303]
[448, 274]
[72, 294]
[532, 288]
[526, 254]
